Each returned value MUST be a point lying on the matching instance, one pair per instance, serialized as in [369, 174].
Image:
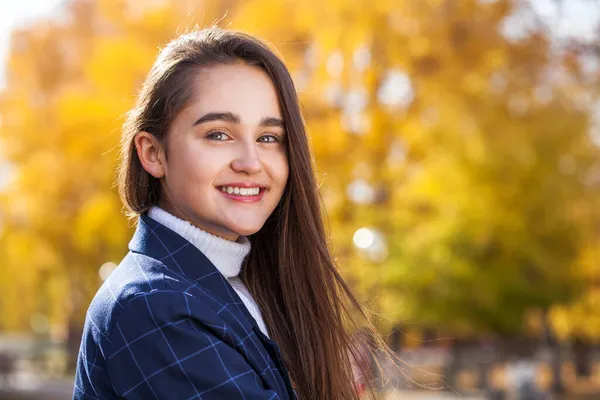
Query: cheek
[285, 173]
[282, 180]
[195, 170]
[280, 169]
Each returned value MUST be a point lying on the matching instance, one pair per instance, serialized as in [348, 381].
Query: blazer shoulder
[136, 277]
[136, 274]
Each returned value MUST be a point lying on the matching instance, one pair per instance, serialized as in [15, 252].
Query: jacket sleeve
[161, 350]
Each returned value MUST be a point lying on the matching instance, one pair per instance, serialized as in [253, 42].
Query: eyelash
[276, 138]
[211, 135]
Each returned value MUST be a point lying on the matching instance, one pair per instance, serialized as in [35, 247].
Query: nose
[247, 160]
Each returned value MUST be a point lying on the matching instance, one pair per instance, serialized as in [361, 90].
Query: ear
[150, 152]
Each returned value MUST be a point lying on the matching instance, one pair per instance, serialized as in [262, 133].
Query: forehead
[238, 88]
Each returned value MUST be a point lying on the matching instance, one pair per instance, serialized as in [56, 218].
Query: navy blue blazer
[167, 325]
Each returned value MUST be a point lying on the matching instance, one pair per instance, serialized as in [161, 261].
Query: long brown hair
[308, 308]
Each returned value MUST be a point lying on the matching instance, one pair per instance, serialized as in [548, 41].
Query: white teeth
[240, 191]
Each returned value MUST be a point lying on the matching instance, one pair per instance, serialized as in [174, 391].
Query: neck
[226, 255]
[213, 230]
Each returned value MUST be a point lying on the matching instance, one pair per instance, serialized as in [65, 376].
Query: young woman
[229, 290]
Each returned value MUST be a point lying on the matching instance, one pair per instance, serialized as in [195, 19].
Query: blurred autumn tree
[463, 135]
[460, 138]
[70, 79]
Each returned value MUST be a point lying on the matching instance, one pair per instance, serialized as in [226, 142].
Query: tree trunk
[76, 321]
[73, 342]
[581, 354]
[452, 368]
[429, 336]
[482, 376]
[554, 350]
[396, 338]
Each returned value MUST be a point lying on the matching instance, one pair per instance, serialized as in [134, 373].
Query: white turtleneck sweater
[226, 255]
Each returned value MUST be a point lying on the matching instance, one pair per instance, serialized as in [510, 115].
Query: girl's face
[226, 166]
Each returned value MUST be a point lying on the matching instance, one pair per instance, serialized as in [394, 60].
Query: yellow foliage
[463, 158]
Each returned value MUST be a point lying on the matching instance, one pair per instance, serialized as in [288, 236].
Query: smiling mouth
[241, 191]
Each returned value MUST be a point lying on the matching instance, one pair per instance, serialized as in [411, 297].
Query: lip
[243, 199]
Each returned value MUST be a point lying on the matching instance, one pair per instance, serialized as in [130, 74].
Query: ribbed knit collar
[225, 254]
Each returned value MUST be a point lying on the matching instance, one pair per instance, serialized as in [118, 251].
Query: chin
[246, 230]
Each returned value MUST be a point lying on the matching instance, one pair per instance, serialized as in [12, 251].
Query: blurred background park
[457, 144]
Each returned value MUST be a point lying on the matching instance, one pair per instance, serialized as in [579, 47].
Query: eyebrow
[235, 119]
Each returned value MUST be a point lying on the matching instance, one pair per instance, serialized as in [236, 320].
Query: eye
[217, 136]
[269, 139]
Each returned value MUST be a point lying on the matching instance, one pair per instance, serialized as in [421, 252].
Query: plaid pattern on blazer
[167, 325]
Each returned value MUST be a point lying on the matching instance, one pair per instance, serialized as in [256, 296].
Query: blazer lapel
[190, 264]
[180, 256]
